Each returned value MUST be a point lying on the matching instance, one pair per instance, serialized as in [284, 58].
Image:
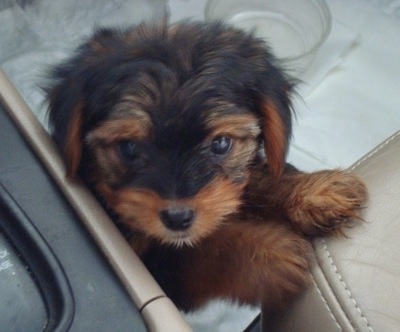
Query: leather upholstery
[357, 279]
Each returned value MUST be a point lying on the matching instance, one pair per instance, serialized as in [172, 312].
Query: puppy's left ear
[276, 113]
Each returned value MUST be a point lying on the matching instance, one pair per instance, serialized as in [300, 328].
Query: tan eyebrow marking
[120, 129]
[239, 126]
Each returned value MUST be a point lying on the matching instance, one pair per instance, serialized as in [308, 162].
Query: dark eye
[221, 145]
[128, 150]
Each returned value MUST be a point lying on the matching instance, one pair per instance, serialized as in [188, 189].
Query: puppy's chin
[181, 239]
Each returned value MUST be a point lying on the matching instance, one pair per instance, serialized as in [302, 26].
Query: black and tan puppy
[182, 131]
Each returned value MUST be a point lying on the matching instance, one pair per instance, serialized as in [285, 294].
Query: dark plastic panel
[98, 301]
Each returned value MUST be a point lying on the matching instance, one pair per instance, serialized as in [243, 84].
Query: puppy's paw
[323, 202]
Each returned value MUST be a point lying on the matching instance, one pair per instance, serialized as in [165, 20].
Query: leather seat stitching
[373, 152]
[349, 294]
[326, 304]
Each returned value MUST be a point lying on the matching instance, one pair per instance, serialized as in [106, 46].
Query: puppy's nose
[177, 219]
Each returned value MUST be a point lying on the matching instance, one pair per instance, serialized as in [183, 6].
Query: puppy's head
[165, 123]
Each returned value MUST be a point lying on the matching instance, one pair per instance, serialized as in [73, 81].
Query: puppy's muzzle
[177, 218]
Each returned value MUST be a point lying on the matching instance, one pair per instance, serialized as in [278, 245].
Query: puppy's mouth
[180, 239]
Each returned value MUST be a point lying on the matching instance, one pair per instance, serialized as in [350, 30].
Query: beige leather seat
[357, 280]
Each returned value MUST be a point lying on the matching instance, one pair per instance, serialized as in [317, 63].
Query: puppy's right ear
[66, 97]
[66, 120]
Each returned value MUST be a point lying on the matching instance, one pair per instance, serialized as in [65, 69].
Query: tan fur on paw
[324, 201]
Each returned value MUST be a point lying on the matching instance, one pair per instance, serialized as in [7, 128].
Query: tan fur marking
[120, 129]
[239, 126]
[275, 136]
[73, 142]
[140, 209]
[214, 203]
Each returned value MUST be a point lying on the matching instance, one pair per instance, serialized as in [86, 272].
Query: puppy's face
[165, 123]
